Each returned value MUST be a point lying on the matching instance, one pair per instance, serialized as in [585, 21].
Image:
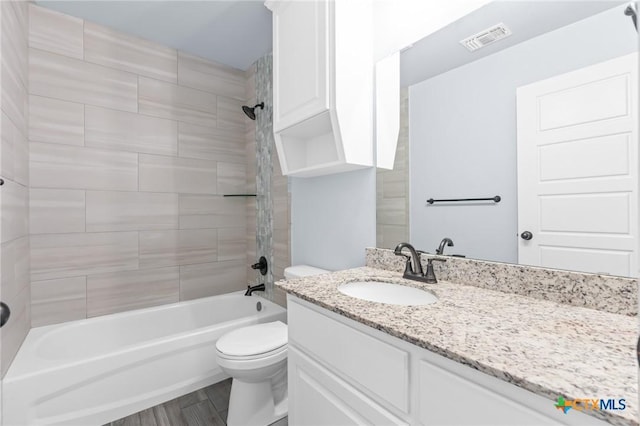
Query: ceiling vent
[486, 37]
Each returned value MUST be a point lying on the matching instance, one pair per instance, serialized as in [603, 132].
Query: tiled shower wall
[392, 200]
[250, 144]
[14, 170]
[133, 145]
[273, 201]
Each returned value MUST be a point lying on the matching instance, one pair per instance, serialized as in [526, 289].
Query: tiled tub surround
[269, 214]
[543, 346]
[14, 170]
[618, 295]
[132, 145]
[274, 217]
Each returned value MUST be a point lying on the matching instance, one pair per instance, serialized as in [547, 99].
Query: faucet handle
[408, 267]
[430, 275]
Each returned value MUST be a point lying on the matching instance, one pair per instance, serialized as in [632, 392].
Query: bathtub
[97, 370]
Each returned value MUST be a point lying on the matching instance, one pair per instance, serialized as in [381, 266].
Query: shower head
[631, 11]
[251, 112]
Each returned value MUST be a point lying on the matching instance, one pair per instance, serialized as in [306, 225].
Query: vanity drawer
[375, 367]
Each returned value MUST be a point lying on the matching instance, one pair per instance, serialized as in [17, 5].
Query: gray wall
[463, 134]
[333, 219]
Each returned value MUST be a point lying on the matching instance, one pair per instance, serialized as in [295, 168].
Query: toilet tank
[299, 271]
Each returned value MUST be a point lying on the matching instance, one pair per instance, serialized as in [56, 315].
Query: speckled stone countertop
[548, 348]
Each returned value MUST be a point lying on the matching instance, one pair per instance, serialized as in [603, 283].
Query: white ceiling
[231, 32]
[442, 51]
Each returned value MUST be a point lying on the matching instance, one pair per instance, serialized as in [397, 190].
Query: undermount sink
[393, 294]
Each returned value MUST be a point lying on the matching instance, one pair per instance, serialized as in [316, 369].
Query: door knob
[5, 312]
[526, 235]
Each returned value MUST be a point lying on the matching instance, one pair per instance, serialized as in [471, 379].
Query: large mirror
[462, 117]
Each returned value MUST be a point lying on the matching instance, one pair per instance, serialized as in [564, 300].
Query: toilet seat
[254, 341]
[247, 363]
[275, 352]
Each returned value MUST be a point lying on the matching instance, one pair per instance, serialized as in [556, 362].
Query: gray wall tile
[170, 174]
[210, 143]
[56, 211]
[65, 166]
[124, 291]
[166, 100]
[14, 331]
[72, 255]
[201, 74]
[114, 49]
[177, 247]
[232, 244]
[69, 79]
[14, 211]
[126, 131]
[55, 32]
[131, 211]
[212, 212]
[15, 267]
[14, 63]
[211, 279]
[228, 116]
[392, 189]
[10, 136]
[231, 178]
[15, 153]
[56, 301]
[117, 144]
[55, 121]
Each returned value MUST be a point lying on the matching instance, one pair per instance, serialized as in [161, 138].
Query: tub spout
[259, 287]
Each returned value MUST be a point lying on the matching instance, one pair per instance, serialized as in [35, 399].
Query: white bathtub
[97, 370]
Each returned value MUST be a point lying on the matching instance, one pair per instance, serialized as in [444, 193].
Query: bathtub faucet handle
[261, 265]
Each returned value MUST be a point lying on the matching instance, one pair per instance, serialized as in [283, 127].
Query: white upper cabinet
[323, 85]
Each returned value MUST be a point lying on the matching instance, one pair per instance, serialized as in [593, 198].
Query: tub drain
[258, 306]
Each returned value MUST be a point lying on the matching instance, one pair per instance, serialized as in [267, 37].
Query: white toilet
[256, 358]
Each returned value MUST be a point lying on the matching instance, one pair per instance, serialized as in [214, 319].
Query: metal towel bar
[496, 199]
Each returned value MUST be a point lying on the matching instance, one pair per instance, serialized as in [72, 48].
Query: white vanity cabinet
[322, 85]
[344, 373]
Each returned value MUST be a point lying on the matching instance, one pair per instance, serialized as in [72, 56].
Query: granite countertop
[548, 348]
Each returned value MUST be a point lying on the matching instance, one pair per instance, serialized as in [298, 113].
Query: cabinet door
[300, 61]
[320, 398]
[456, 395]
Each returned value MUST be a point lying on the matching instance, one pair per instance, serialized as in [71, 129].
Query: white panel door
[578, 169]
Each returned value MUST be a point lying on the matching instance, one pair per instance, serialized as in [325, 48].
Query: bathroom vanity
[476, 356]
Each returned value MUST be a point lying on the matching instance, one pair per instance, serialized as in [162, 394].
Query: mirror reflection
[543, 113]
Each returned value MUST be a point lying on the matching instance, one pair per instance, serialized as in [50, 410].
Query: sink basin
[393, 294]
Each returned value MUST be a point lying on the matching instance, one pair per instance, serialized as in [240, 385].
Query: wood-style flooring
[204, 407]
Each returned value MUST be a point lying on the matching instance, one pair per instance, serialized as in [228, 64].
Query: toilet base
[252, 404]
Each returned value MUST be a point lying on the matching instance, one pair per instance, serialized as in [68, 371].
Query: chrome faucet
[444, 241]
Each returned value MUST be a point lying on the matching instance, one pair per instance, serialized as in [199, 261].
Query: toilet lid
[254, 339]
